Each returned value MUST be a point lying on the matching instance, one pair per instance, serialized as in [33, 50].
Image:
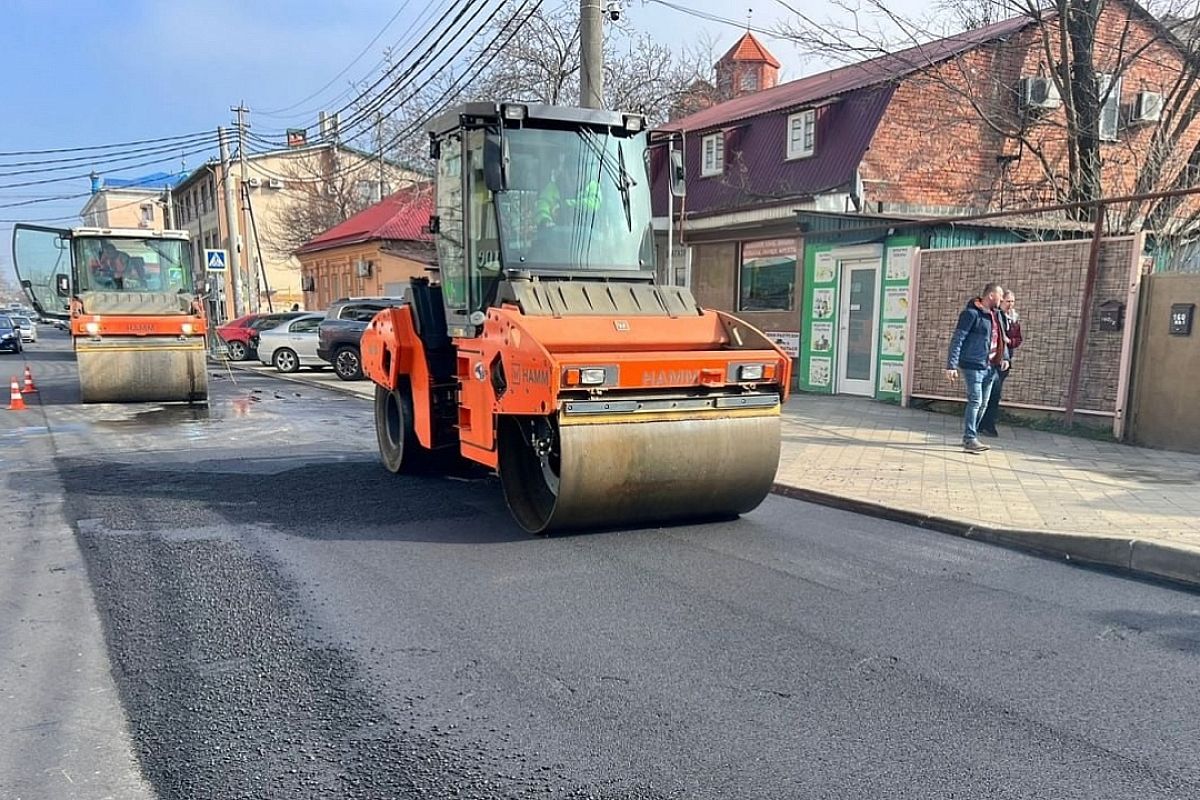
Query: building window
[1109, 91]
[767, 278]
[802, 134]
[749, 82]
[147, 213]
[713, 147]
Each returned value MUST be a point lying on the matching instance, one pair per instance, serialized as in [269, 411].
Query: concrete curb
[1157, 560]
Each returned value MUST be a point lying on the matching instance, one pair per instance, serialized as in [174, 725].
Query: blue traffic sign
[215, 260]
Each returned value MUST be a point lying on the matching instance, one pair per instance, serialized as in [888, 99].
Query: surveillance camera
[613, 10]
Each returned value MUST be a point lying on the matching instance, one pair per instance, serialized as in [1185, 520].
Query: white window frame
[712, 155]
[806, 144]
[1110, 106]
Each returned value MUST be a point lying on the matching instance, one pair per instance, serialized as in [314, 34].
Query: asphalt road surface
[278, 617]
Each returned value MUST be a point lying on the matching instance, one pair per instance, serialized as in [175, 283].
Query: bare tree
[1086, 48]
[323, 187]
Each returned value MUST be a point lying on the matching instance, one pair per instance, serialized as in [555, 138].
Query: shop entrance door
[857, 322]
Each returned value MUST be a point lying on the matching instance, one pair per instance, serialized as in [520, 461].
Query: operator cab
[108, 271]
[533, 194]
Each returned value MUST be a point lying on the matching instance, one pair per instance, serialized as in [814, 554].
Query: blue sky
[87, 72]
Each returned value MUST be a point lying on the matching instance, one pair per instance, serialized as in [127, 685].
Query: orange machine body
[532, 365]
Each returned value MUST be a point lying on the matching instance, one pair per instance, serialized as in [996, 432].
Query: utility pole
[379, 137]
[235, 259]
[254, 304]
[591, 53]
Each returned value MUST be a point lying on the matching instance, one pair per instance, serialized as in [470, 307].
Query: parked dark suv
[341, 331]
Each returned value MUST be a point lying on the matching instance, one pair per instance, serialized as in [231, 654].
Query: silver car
[28, 328]
[292, 344]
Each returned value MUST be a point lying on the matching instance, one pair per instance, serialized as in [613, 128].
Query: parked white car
[28, 328]
[292, 344]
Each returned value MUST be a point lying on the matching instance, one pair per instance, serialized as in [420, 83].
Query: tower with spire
[747, 67]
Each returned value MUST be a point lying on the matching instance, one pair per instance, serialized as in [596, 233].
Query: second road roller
[545, 349]
[137, 324]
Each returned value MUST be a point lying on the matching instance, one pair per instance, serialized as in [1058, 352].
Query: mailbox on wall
[1181, 318]
[1112, 315]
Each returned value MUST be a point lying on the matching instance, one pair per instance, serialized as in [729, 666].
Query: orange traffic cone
[15, 401]
[29, 387]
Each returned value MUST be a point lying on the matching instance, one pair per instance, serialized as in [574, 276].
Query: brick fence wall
[1048, 280]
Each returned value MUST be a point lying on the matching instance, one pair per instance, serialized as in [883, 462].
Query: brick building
[780, 179]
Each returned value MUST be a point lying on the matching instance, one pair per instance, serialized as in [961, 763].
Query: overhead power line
[11, 153]
[58, 165]
[347, 68]
[387, 75]
[84, 175]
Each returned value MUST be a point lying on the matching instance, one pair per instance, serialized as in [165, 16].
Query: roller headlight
[592, 376]
[187, 329]
[750, 372]
[93, 328]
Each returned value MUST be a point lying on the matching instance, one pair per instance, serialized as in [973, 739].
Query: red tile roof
[838, 81]
[748, 48]
[402, 216]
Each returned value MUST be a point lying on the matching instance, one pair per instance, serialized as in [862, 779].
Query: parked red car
[241, 335]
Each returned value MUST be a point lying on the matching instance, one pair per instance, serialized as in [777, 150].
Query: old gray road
[284, 619]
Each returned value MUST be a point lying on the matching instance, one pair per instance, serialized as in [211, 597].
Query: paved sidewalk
[1100, 502]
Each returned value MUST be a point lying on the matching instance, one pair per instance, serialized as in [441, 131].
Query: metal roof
[402, 216]
[814, 88]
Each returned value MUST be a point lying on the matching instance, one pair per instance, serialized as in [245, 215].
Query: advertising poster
[895, 303]
[788, 340]
[822, 337]
[822, 307]
[825, 267]
[819, 371]
[899, 263]
[891, 375]
[895, 338]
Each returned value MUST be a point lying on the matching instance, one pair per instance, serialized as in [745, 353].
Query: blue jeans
[979, 389]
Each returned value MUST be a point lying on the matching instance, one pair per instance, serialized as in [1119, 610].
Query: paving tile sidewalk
[1102, 502]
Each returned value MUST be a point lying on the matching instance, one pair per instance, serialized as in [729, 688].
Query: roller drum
[138, 371]
[637, 472]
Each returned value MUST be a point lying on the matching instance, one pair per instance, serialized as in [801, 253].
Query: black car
[10, 335]
[341, 331]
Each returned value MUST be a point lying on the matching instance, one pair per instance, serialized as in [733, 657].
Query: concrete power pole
[379, 137]
[255, 300]
[591, 51]
[231, 242]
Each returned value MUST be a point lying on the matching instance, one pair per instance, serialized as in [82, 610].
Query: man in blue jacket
[978, 353]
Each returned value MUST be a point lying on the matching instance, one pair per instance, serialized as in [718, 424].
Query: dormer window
[713, 158]
[802, 134]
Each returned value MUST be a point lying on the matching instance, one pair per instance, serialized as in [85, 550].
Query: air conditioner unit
[362, 268]
[275, 183]
[1039, 94]
[253, 183]
[1147, 107]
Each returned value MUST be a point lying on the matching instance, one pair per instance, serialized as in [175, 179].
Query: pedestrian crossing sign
[215, 260]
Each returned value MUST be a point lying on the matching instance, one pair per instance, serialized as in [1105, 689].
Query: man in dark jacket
[978, 353]
[1010, 327]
